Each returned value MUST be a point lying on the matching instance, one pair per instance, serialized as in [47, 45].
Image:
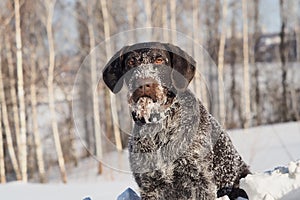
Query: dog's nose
[146, 88]
[145, 85]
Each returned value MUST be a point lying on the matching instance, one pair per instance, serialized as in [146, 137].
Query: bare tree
[50, 9]
[297, 29]
[165, 20]
[173, 20]
[8, 134]
[148, 10]
[256, 70]
[246, 65]
[196, 39]
[295, 104]
[130, 15]
[85, 83]
[298, 40]
[96, 117]
[107, 95]
[36, 133]
[221, 64]
[200, 87]
[2, 163]
[13, 93]
[109, 54]
[23, 139]
[212, 22]
[283, 58]
[235, 94]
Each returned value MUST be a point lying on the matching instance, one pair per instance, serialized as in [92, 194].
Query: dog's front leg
[194, 179]
[151, 185]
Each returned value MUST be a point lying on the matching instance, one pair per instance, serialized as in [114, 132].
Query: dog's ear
[113, 72]
[183, 65]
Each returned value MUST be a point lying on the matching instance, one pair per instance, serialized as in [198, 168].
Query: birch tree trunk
[5, 121]
[130, 16]
[196, 41]
[13, 93]
[36, 134]
[85, 95]
[256, 71]
[298, 41]
[173, 20]
[108, 55]
[200, 88]
[148, 10]
[96, 117]
[235, 107]
[61, 162]
[246, 65]
[23, 139]
[2, 163]
[165, 20]
[294, 102]
[212, 24]
[283, 59]
[221, 65]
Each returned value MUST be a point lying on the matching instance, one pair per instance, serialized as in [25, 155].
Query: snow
[17, 190]
[295, 194]
[265, 147]
[271, 151]
[274, 184]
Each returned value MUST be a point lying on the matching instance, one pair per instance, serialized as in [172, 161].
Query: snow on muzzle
[150, 92]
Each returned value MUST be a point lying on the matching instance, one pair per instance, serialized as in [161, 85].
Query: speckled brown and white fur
[177, 150]
[187, 156]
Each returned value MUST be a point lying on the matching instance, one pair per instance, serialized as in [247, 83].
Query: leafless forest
[53, 103]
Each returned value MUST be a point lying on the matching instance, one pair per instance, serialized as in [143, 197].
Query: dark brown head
[154, 73]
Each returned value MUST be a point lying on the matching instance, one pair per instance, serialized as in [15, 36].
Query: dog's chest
[165, 166]
[157, 147]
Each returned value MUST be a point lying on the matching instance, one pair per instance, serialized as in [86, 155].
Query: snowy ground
[263, 148]
[266, 147]
[280, 183]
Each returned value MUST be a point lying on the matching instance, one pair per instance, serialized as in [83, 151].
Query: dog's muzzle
[148, 98]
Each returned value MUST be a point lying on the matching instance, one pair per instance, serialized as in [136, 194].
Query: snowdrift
[280, 183]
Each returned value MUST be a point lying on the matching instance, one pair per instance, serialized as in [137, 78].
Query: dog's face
[154, 73]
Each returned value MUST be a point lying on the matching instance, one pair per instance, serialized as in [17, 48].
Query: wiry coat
[187, 156]
[177, 149]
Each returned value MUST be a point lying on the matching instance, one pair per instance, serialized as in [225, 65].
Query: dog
[177, 150]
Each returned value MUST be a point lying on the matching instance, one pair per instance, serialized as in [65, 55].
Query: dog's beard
[146, 111]
[149, 106]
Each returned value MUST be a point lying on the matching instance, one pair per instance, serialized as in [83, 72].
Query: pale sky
[269, 15]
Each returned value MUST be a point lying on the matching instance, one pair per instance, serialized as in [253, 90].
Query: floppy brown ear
[113, 72]
[183, 65]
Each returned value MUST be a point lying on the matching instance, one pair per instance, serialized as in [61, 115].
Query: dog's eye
[131, 62]
[159, 61]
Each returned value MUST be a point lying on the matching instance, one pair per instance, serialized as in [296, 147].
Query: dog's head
[154, 73]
